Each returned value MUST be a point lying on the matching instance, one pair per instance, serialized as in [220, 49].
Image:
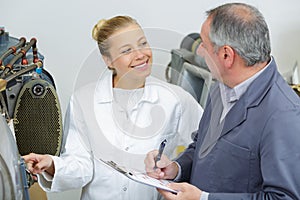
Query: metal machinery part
[31, 117]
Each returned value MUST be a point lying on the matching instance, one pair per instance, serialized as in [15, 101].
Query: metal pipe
[12, 49]
[19, 55]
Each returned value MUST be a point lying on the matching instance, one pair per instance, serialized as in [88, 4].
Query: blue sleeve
[185, 160]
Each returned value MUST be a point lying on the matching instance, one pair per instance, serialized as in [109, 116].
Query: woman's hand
[37, 163]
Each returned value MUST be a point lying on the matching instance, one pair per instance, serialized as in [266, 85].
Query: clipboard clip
[115, 166]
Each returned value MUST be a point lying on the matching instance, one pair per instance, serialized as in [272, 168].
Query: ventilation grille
[37, 119]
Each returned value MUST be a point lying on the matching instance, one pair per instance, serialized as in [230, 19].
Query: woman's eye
[126, 51]
[144, 43]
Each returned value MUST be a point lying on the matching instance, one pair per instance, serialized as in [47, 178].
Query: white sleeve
[74, 167]
[204, 195]
[190, 118]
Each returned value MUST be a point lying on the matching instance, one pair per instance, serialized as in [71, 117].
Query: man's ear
[227, 55]
[107, 61]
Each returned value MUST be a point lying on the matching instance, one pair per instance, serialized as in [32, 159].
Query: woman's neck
[128, 84]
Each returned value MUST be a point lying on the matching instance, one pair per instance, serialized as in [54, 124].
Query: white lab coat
[93, 133]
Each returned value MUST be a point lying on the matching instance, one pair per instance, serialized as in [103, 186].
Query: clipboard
[140, 177]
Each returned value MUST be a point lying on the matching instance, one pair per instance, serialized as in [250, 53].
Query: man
[247, 145]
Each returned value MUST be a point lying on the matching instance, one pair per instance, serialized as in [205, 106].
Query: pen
[160, 151]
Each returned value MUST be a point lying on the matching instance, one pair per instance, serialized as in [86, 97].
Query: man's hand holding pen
[160, 166]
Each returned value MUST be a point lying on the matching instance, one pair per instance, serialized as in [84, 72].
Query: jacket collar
[251, 98]
[104, 89]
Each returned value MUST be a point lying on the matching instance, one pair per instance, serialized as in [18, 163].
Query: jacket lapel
[251, 98]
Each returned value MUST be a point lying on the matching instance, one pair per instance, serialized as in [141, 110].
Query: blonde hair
[106, 27]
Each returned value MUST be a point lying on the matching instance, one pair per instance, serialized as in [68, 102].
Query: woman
[120, 118]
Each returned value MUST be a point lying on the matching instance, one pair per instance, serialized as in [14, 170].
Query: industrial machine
[189, 70]
[31, 119]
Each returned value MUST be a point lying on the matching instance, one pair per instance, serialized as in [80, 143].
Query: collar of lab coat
[104, 89]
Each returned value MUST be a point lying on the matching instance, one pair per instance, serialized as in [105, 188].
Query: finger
[29, 166]
[163, 162]
[150, 160]
[44, 163]
[36, 169]
[26, 158]
[155, 173]
[176, 186]
[167, 195]
[29, 157]
[34, 177]
[158, 173]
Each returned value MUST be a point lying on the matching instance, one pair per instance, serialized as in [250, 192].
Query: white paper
[140, 177]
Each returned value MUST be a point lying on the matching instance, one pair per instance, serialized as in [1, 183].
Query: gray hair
[243, 28]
